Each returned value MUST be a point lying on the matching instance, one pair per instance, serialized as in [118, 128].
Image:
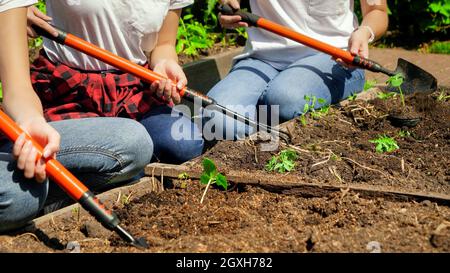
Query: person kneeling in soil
[274, 70]
[73, 85]
[86, 147]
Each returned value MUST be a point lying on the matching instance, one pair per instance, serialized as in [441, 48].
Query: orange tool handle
[347, 57]
[112, 59]
[61, 176]
[308, 41]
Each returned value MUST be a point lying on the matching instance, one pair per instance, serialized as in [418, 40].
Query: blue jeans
[164, 125]
[101, 152]
[252, 82]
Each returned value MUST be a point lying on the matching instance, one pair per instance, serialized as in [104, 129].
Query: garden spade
[72, 186]
[149, 76]
[415, 78]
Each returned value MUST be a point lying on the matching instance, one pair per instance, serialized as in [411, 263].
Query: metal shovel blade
[415, 78]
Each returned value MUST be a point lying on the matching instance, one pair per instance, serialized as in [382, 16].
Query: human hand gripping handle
[29, 159]
[36, 17]
[232, 16]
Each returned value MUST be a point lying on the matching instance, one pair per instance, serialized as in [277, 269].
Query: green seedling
[184, 177]
[1, 93]
[442, 96]
[369, 84]
[126, 199]
[385, 144]
[310, 106]
[396, 81]
[76, 212]
[352, 97]
[210, 175]
[386, 96]
[404, 133]
[283, 162]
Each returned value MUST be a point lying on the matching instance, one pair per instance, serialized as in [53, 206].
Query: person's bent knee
[137, 150]
[19, 205]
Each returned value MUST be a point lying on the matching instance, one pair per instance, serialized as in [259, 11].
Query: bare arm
[167, 39]
[19, 99]
[374, 18]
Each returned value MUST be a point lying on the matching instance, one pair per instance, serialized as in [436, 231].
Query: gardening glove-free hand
[165, 88]
[26, 154]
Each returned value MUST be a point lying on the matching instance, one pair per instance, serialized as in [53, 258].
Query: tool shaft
[338, 53]
[61, 176]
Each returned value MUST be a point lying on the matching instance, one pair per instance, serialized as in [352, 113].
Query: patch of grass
[283, 162]
[385, 144]
[439, 47]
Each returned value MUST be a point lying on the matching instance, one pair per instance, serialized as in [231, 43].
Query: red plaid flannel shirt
[67, 93]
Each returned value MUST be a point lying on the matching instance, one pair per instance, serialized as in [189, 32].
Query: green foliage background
[412, 22]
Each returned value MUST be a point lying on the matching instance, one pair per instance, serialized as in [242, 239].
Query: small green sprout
[352, 97]
[76, 212]
[210, 176]
[397, 81]
[283, 162]
[184, 177]
[126, 199]
[310, 106]
[386, 96]
[369, 84]
[404, 133]
[385, 144]
[442, 96]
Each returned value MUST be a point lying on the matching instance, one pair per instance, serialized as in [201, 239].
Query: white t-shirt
[330, 21]
[125, 27]
[12, 4]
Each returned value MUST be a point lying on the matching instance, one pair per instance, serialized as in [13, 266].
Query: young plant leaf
[396, 80]
[221, 181]
[385, 144]
[204, 179]
[369, 84]
[209, 167]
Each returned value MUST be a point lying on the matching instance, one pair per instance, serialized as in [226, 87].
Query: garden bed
[363, 201]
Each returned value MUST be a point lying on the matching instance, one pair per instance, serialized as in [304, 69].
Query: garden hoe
[415, 78]
[72, 186]
[149, 76]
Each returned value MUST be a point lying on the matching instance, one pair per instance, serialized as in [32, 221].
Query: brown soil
[253, 220]
[332, 150]
[335, 149]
